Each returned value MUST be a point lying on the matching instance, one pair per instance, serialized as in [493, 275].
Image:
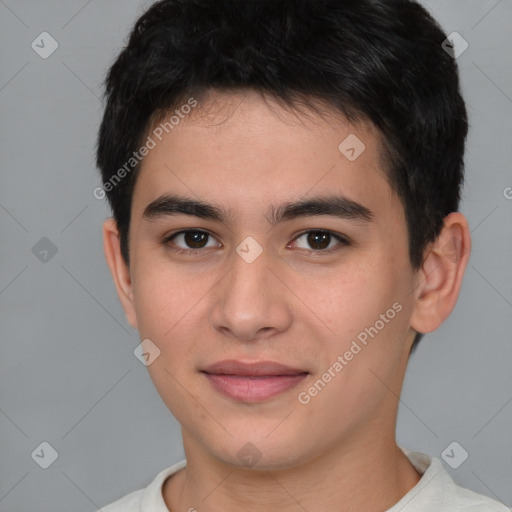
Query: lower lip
[253, 389]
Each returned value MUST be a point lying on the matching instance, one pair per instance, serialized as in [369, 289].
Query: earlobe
[440, 278]
[119, 270]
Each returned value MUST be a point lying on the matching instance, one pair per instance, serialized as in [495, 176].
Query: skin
[245, 152]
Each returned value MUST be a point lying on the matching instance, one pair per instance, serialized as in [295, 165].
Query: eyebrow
[336, 206]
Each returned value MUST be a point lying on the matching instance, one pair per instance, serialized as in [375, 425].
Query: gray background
[68, 375]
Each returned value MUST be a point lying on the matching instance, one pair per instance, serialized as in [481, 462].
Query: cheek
[358, 364]
[345, 299]
[365, 312]
[164, 298]
[171, 309]
[167, 306]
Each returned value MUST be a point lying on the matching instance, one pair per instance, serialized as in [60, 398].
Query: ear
[440, 277]
[119, 270]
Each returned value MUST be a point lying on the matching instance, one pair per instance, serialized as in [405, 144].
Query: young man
[284, 178]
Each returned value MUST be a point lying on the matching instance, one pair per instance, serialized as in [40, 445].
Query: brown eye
[195, 239]
[191, 239]
[319, 240]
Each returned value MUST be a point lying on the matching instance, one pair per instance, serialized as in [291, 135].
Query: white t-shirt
[436, 491]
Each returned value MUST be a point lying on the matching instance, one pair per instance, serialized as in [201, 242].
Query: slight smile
[252, 382]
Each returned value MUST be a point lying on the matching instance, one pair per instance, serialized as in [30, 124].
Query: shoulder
[437, 491]
[129, 503]
[150, 498]
[466, 500]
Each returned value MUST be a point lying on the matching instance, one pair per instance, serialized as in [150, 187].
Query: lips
[252, 382]
[256, 369]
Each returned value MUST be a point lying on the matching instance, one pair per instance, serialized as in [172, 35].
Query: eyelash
[198, 252]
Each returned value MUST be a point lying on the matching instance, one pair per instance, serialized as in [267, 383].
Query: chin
[261, 452]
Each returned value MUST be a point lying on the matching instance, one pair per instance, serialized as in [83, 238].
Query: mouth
[253, 382]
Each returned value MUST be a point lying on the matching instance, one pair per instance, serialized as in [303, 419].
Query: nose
[251, 302]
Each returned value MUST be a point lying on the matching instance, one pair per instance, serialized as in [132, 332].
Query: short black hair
[370, 60]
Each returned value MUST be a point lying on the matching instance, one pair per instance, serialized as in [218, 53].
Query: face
[288, 251]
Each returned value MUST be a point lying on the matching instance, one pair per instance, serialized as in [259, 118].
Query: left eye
[319, 240]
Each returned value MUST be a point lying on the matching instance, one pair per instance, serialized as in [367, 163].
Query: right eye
[189, 241]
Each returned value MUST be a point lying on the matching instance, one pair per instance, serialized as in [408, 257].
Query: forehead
[245, 149]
